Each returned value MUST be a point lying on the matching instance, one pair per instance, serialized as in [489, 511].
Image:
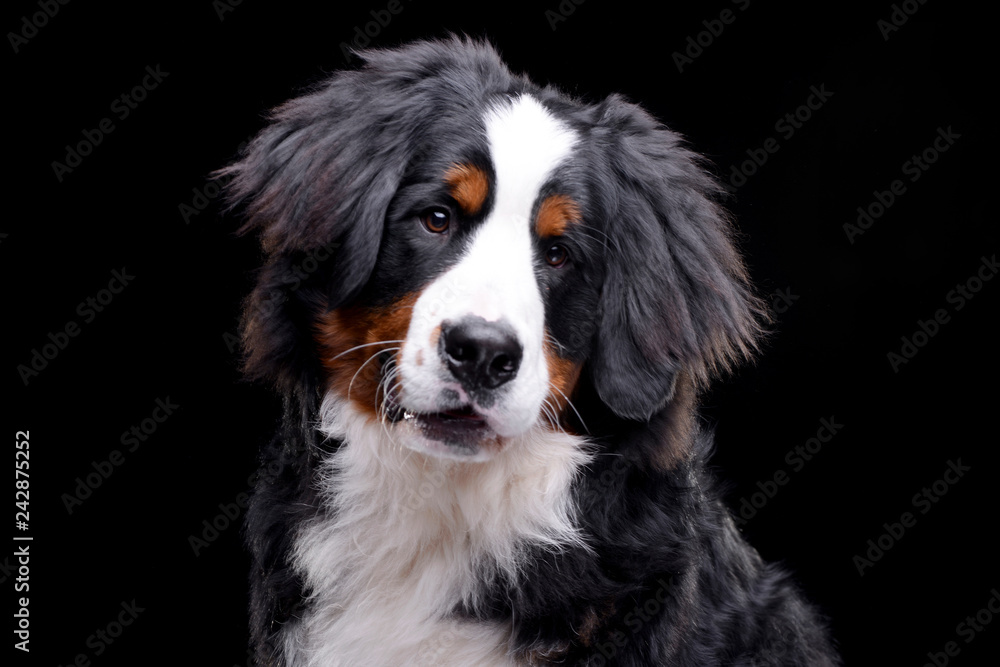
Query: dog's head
[457, 252]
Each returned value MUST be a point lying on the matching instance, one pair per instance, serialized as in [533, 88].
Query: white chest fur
[408, 537]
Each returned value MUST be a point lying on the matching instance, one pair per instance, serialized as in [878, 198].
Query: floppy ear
[317, 183]
[676, 295]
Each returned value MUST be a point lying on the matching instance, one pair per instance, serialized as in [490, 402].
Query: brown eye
[436, 220]
[556, 255]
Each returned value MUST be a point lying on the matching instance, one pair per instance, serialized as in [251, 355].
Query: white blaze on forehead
[527, 143]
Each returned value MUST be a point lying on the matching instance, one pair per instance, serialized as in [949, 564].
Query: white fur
[495, 279]
[406, 537]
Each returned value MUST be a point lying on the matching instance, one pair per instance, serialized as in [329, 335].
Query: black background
[167, 333]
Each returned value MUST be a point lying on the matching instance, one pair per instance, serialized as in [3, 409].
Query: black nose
[480, 354]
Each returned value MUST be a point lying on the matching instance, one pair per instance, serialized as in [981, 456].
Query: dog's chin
[460, 434]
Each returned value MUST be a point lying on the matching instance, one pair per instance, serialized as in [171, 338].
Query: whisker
[608, 238]
[358, 347]
[388, 384]
[388, 376]
[551, 414]
[570, 404]
[355, 376]
[551, 339]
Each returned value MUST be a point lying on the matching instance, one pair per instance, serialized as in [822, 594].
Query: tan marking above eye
[469, 186]
[555, 214]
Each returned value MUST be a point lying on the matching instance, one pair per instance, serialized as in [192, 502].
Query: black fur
[655, 305]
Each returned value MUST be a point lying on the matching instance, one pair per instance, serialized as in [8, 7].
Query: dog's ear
[316, 183]
[676, 295]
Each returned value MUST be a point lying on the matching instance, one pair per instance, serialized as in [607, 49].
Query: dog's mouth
[461, 431]
[458, 433]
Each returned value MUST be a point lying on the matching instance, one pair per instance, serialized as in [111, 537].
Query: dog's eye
[556, 255]
[436, 220]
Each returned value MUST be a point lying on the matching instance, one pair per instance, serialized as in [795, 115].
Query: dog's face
[473, 328]
[497, 248]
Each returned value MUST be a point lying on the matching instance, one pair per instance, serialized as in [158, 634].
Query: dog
[489, 308]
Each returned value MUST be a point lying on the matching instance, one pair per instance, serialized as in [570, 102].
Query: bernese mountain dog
[489, 308]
